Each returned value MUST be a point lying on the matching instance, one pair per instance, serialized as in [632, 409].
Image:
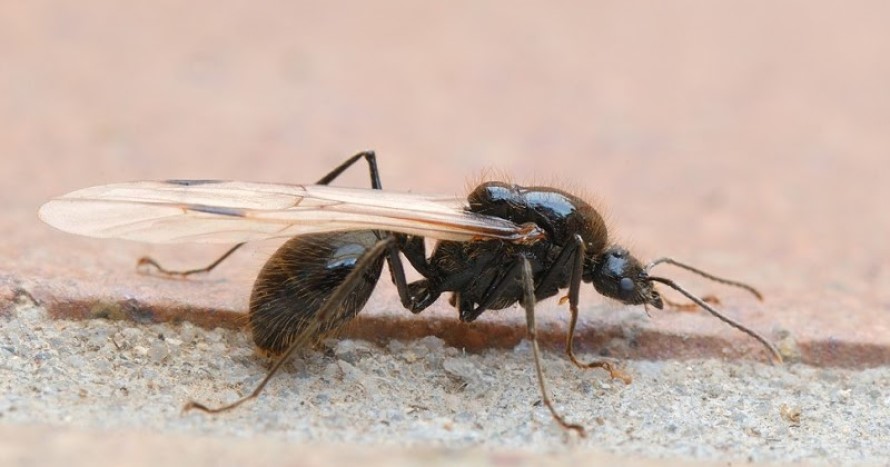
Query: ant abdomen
[300, 278]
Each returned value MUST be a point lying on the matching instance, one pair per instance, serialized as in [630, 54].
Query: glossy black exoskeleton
[480, 273]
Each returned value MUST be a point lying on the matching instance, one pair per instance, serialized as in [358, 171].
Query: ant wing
[210, 211]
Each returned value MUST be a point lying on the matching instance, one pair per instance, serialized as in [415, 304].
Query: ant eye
[626, 284]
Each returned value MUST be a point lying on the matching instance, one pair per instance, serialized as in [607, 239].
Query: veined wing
[211, 211]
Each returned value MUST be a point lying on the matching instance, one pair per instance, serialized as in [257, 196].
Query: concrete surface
[111, 377]
[750, 140]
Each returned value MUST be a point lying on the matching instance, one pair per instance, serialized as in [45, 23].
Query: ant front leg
[574, 293]
[370, 156]
[690, 306]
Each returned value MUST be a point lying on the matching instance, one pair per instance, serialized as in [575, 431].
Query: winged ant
[504, 245]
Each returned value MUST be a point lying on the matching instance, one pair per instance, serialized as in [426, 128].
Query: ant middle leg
[369, 156]
[524, 269]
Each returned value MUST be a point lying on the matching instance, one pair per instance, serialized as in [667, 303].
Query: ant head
[616, 274]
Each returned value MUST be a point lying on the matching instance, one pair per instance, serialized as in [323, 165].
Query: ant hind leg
[327, 313]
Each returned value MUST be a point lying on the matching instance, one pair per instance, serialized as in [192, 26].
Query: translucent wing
[212, 211]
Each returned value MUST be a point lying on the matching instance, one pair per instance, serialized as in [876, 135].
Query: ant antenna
[721, 316]
[714, 278]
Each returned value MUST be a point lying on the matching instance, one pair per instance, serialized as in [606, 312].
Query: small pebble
[158, 352]
[461, 368]
[131, 334]
[351, 350]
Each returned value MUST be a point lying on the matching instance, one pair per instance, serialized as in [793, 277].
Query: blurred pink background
[752, 139]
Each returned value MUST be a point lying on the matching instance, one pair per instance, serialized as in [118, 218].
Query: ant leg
[375, 184]
[549, 285]
[574, 293]
[347, 287]
[523, 267]
[148, 261]
[413, 247]
[407, 293]
[495, 290]
[677, 306]
[369, 156]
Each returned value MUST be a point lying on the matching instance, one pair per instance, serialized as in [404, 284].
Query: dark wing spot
[191, 182]
[218, 210]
